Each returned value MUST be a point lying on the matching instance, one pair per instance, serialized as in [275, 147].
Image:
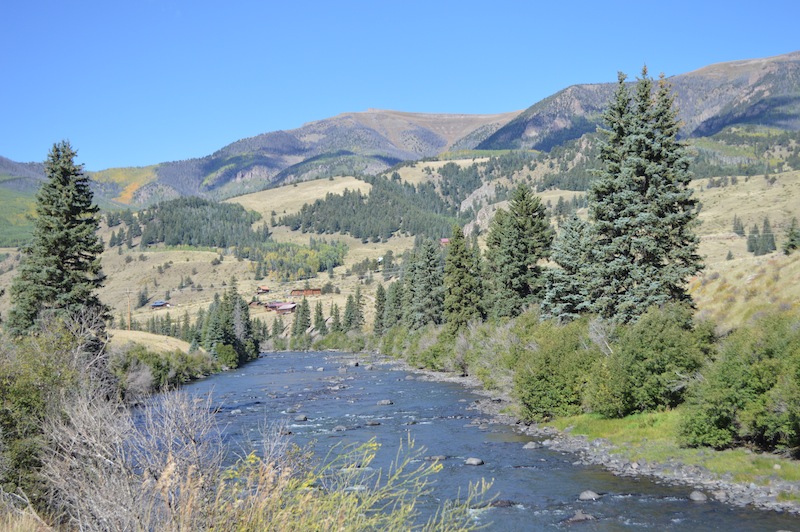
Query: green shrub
[551, 377]
[141, 372]
[751, 393]
[227, 356]
[35, 373]
[651, 362]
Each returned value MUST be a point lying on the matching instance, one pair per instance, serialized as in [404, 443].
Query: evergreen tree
[60, 271]
[517, 241]
[462, 297]
[767, 238]
[738, 225]
[277, 327]
[754, 240]
[302, 318]
[641, 206]
[380, 310]
[792, 237]
[350, 320]
[358, 299]
[424, 287]
[393, 312]
[566, 295]
[319, 319]
[336, 321]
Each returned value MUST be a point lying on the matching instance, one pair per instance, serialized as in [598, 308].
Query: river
[542, 485]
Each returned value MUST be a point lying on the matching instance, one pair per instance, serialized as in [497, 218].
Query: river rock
[436, 458]
[579, 517]
[237, 411]
[502, 503]
[339, 428]
[698, 496]
[473, 461]
[373, 423]
[301, 417]
[588, 495]
[532, 445]
[385, 402]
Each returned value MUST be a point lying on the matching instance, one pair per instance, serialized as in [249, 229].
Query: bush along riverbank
[663, 397]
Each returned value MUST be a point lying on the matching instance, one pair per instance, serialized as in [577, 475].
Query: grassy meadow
[727, 291]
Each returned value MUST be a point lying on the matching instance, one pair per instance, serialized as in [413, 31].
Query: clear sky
[133, 83]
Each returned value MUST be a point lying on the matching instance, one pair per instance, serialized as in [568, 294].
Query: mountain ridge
[763, 91]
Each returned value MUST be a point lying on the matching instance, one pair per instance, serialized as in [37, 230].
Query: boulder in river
[579, 517]
[436, 458]
[301, 417]
[339, 428]
[385, 402]
[473, 461]
[588, 495]
[698, 496]
[532, 445]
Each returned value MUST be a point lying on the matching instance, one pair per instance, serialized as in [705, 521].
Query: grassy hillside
[290, 198]
[729, 291]
[127, 180]
[15, 207]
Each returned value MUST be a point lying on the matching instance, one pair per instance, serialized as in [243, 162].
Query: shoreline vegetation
[642, 445]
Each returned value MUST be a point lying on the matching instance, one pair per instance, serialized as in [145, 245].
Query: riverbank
[775, 494]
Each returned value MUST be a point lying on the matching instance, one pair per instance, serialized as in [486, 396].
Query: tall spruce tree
[566, 295]
[380, 310]
[302, 319]
[319, 319]
[60, 271]
[792, 237]
[641, 206]
[462, 297]
[350, 319]
[393, 312]
[424, 287]
[517, 241]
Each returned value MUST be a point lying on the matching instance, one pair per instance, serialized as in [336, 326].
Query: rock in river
[473, 461]
[588, 495]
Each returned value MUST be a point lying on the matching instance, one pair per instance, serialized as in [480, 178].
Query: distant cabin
[305, 292]
[262, 290]
[281, 307]
[444, 242]
[159, 304]
[286, 308]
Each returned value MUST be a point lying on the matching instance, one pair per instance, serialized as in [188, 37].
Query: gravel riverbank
[699, 481]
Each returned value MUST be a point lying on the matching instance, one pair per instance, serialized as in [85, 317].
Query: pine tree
[358, 299]
[462, 298]
[517, 241]
[319, 319]
[754, 241]
[393, 313]
[641, 206]
[738, 225]
[336, 321]
[792, 237]
[767, 238]
[566, 295]
[424, 287]
[380, 309]
[60, 271]
[277, 327]
[302, 318]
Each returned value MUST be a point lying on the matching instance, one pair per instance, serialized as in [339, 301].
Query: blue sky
[133, 83]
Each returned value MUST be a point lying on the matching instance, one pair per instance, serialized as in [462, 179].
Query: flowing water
[542, 485]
